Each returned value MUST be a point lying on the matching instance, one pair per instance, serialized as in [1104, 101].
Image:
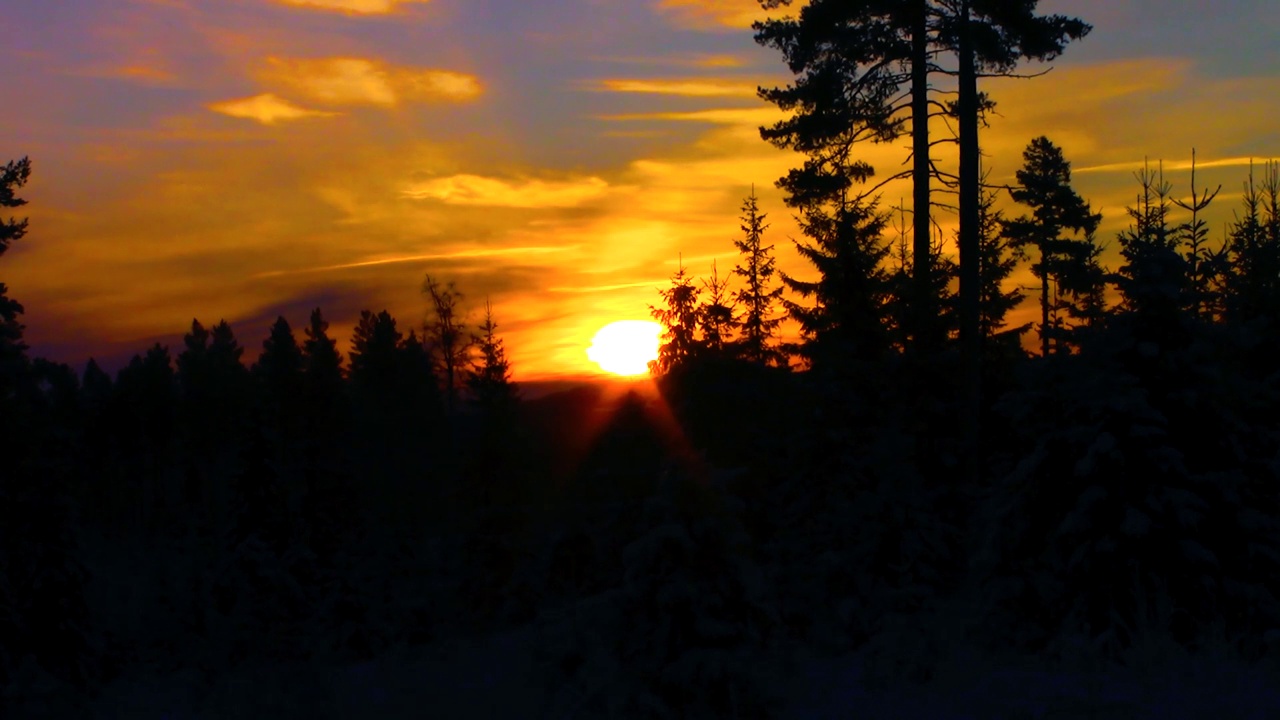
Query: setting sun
[625, 347]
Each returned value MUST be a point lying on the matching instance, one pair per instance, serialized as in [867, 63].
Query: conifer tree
[848, 319]
[489, 377]
[716, 317]
[1253, 251]
[278, 374]
[374, 360]
[998, 259]
[1153, 280]
[759, 296]
[679, 319]
[1193, 235]
[1045, 186]
[13, 359]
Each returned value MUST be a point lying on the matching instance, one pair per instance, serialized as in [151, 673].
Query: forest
[915, 481]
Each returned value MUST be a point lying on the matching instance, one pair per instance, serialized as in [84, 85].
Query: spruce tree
[1193, 236]
[848, 317]
[679, 319]
[716, 318]
[1253, 252]
[759, 297]
[998, 259]
[489, 377]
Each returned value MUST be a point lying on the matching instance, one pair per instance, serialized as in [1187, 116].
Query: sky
[244, 159]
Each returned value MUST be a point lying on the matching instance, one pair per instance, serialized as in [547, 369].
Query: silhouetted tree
[715, 315]
[759, 296]
[999, 257]
[848, 319]
[1153, 279]
[214, 387]
[1203, 264]
[373, 352]
[144, 417]
[489, 377]
[329, 504]
[43, 616]
[679, 319]
[446, 337]
[1253, 250]
[852, 59]
[1045, 186]
[13, 359]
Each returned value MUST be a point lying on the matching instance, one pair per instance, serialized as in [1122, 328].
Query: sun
[625, 347]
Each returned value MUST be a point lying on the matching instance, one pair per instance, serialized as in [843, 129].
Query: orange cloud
[479, 190]
[266, 109]
[714, 14]
[687, 87]
[352, 7]
[361, 81]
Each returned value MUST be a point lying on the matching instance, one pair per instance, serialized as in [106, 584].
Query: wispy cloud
[427, 257]
[687, 87]
[713, 14]
[266, 108]
[363, 81]
[608, 288]
[695, 60]
[1136, 165]
[351, 7]
[526, 193]
[715, 116]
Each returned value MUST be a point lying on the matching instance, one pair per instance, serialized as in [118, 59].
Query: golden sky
[243, 159]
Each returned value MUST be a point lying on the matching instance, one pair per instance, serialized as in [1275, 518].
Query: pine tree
[679, 319]
[43, 614]
[13, 358]
[1045, 186]
[759, 296]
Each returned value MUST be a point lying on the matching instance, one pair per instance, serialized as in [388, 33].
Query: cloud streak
[686, 87]
[266, 108]
[478, 190]
[351, 7]
[363, 81]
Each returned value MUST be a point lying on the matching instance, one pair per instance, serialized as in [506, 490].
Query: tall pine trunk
[924, 313]
[970, 185]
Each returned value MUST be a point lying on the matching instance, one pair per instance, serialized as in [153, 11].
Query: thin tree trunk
[1044, 305]
[970, 186]
[924, 310]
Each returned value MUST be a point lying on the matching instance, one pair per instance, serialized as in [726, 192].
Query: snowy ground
[496, 678]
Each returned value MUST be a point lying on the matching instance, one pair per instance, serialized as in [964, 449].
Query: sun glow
[625, 347]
